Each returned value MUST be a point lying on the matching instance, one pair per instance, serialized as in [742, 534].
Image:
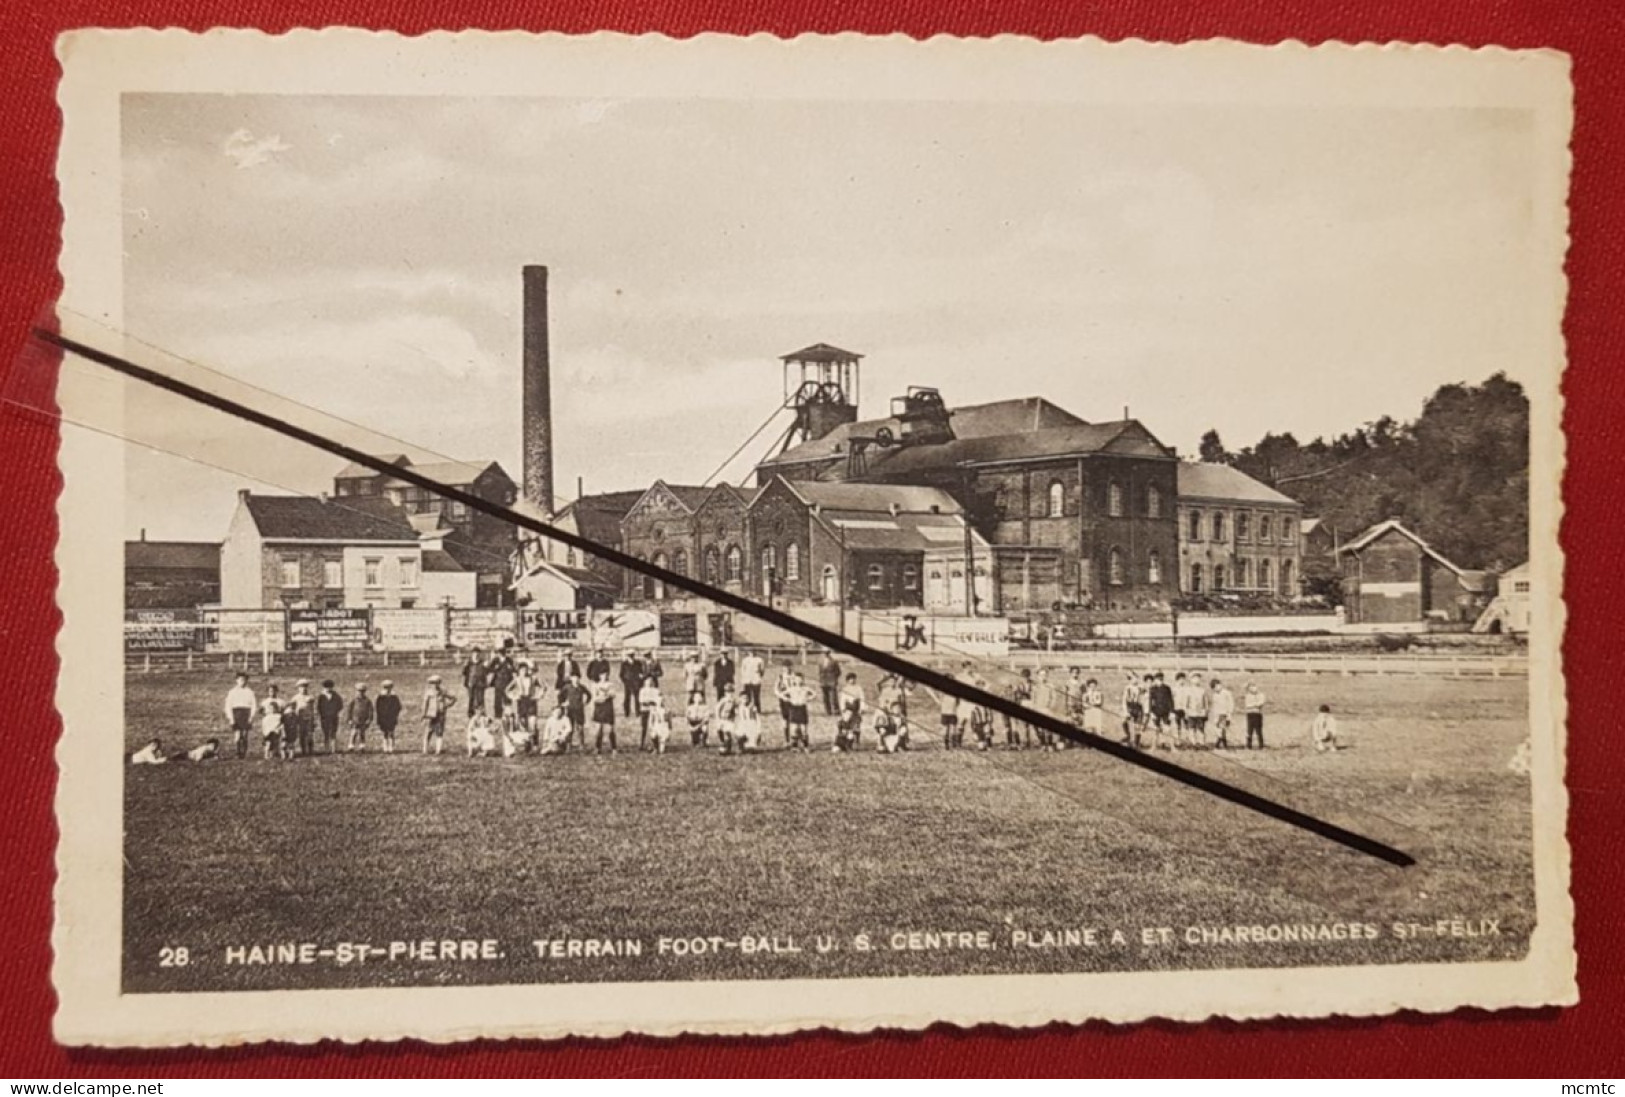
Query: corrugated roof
[903, 533]
[1205, 480]
[298, 517]
[191, 555]
[875, 498]
[1024, 415]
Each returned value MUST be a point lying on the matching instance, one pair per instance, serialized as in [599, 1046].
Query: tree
[1212, 449]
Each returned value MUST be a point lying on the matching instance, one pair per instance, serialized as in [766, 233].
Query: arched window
[1266, 579]
[792, 561]
[713, 565]
[1153, 501]
[1196, 578]
[1286, 578]
[1153, 567]
[1266, 528]
[876, 574]
[1244, 574]
[911, 577]
[1218, 576]
[733, 564]
[1195, 525]
[1244, 527]
[657, 589]
[770, 565]
[830, 586]
[1057, 499]
[1114, 499]
[1114, 567]
[679, 562]
[1218, 529]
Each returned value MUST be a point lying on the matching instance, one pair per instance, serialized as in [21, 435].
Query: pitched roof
[1206, 480]
[867, 530]
[195, 555]
[441, 560]
[874, 498]
[354, 471]
[457, 473]
[820, 352]
[301, 518]
[598, 517]
[1001, 417]
[1394, 525]
[1306, 526]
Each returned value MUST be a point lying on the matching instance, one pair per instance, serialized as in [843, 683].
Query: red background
[1581, 1042]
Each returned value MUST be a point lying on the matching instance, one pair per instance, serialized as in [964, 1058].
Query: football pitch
[450, 870]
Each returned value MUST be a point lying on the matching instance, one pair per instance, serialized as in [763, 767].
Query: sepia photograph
[1201, 404]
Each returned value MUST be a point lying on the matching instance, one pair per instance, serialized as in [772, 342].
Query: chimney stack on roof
[536, 402]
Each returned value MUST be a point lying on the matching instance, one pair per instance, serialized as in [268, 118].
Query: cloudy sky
[1229, 267]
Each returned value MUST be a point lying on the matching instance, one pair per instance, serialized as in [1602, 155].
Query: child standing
[387, 709]
[648, 701]
[271, 722]
[1221, 706]
[435, 702]
[603, 713]
[1252, 704]
[360, 717]
[241, 705]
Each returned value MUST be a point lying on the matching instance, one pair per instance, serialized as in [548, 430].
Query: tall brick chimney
[536, 404]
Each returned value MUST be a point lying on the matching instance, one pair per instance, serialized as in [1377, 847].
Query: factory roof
[820, 352]
[1022, 416]
[453, 473]
[874, 498]
[301, 518]
[195, 555]
[1206, 480]
[906, 532]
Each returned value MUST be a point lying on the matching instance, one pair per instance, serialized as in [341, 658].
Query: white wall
[390, 592]
[242, 580]
[437, 586]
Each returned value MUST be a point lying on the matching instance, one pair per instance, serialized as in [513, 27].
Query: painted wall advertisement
[975, 636]
[408, 629]
[160, 630]
[581, 629]
[481, 628]
[245, 630]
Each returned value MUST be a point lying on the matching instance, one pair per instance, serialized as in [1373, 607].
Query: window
[734, 560]
[1244, 528]
[1218, 576]
[911, 577]
[457, 512]
[1266, 528]
[657, 589]
[570, 556]
[770, 565]
[1289, 531]
[876, 574]
[1266, 580]
[1195, 525]
[409, 571]
[1153, 567]
[1196, 578]
[1057, 499]
[1286, 577]
[1218, 527]
[792, 561]
[332, 574]
[1521, 586]
[1114, 500]
[373, 570]
[409, 603]
[713, 564]
[1114, 567]
[679, 562]
[290, 571]
[657, 533]
[1153, 501]
[1244, 573]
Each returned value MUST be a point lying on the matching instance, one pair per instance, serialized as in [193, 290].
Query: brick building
[171, 574]
[1076, 513]
[661, 528]
[294, 552]
[1236, 534]
[722, 539]
[1392, 576]
[482, 543]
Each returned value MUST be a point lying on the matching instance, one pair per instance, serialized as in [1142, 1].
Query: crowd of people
[512, 705]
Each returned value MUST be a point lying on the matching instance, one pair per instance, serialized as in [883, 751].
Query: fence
[1409, 664]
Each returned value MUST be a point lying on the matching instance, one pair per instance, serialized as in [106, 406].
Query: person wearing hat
[387, 710]
[360, 716]
[436, 701]
[329, 710]
[301, 718]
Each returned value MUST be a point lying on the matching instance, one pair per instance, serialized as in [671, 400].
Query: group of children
[512, 710]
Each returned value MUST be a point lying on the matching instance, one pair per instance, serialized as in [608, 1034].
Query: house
[1236, 534]
[482, 543]
[296, 552]
[171, 574]
[1076, 513]
[1509, 612]
[1392, 576]
[594, 517]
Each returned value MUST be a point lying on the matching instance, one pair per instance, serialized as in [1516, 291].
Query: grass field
[840, 850]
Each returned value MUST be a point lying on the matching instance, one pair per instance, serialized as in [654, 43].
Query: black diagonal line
[835, 642]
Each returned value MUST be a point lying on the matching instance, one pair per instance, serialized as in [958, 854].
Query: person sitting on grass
[150, 755]
[1323, 730]
[698, 717]
[888, 730]
[849, 707]
[747, 729]
[482, 735]
[556, 731]
[723, 714]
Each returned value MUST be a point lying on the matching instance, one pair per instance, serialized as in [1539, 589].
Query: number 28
[173, 957]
